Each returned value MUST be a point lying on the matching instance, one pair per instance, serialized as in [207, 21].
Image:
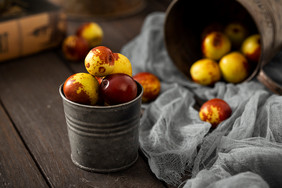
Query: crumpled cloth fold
[243, 151]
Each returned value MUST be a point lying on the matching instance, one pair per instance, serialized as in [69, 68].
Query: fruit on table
[251, 47]
[234, 67]
[205, 72]
[82, 88]
[122, 64]
[215, 45]
[99, 61]
[75, 48]
[118, 88]
[91, 32]
[236, 32]
[215, 111]
[151, 85]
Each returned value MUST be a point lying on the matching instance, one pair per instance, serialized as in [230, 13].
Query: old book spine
[31, 34]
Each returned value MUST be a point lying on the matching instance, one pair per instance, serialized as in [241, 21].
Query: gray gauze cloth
[243, 151]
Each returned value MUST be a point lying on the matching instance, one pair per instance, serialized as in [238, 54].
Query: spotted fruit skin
[234, 67]
[82, 88]
[91, 32]
[251, 47]
[99, 61]
[122, 64]
[215, 45]
[205, 72]
[75, 48]
[215, 111]
[151, 85]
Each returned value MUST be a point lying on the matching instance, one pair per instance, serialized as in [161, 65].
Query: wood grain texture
[29, 91]
[17, 168]
[29, 94]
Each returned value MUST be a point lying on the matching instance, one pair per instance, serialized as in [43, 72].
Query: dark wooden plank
[29, 91]
[17, 168]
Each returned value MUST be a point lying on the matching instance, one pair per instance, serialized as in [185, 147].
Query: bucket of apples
[102, 109]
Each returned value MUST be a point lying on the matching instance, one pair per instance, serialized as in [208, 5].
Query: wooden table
[34, 149]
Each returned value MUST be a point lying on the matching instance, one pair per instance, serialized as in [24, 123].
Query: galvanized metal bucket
[103, 138]
[185, 21]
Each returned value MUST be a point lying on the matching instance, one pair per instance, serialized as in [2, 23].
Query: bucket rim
[138, 97]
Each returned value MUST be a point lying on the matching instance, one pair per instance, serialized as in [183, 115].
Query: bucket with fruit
[102, 109]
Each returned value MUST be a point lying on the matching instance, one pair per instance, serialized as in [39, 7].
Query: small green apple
[236, 32]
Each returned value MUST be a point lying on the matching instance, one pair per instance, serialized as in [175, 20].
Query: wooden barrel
[185, 21]
[103, 8]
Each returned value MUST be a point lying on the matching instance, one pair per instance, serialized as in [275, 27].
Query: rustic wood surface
[34, 148]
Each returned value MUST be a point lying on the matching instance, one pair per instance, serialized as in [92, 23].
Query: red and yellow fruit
[122, 64]
[100, 61]
[91, 32]
[82, 88]
[215, 45]
[234, 67]
[151, 85]
[205, 72]
[251, 47]
[75, 48]
[118, 88]
[215, 111]
[108, 81]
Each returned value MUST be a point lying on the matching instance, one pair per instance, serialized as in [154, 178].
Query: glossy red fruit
[151, 85]
[215, 111]
[118, 88]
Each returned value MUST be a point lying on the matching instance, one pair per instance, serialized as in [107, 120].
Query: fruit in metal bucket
[251, 48]
[234, 67]
[75, 48]
[91, 32]
[122, 64]
[82, 88]
[215, 45]
[99, 61]
[205, 72]
[215, 111]
[118, 88]
[151, 85]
